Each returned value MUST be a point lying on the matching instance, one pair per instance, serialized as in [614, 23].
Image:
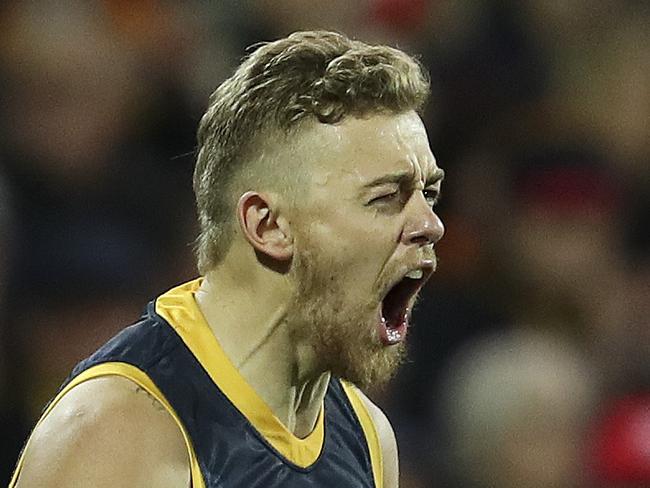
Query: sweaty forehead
[357, 150]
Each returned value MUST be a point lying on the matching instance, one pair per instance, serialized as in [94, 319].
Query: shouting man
[315, 187]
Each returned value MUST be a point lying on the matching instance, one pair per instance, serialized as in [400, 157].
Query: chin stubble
[342, 334]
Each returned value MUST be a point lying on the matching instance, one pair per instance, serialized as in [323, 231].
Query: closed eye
[385, 198]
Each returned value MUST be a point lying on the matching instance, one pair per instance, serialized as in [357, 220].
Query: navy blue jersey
[233, 438]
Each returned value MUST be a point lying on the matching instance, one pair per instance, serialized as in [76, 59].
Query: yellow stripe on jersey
[142, 380]
[369, 430]
[179, 308]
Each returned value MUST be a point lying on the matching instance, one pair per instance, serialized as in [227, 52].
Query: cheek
[353, 251]
[355, 238]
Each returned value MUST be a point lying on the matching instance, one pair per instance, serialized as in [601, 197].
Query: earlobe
[262, 227]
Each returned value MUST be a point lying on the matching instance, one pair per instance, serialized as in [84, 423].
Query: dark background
[539, 115]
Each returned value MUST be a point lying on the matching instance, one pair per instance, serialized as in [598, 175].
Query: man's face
[364, 236]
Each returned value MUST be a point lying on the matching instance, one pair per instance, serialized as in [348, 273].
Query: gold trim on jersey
[369, 430]
[179, 308]
[142, 380]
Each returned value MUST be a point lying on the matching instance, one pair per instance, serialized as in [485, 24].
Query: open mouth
[396, 307]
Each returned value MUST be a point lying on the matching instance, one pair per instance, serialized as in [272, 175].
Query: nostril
[421, 236]
[427, 232]
[420, 239]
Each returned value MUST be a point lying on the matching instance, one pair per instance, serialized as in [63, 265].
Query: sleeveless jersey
[232, 437]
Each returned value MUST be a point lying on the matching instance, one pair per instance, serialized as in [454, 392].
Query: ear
[263, 228]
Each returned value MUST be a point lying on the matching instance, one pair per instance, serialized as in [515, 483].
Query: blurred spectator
[103, 212]
[539, 115]
[619, 454]
[515, 406]
[565, 236]
[599, 70]
[13, 421]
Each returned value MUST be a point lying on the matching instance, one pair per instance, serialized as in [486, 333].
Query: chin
[370, 368]
[342, 333]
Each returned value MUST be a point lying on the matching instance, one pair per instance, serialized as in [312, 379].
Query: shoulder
[387, 440]
[106, 431]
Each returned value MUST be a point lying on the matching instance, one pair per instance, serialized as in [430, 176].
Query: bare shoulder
[387, 439]
[105, 432]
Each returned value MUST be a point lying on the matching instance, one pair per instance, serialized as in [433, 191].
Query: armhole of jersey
[370, 432]
[140, 378]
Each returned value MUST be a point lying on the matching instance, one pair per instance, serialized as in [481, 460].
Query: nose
[423, 226]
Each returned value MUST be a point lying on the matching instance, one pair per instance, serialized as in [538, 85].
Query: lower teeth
[393, 335]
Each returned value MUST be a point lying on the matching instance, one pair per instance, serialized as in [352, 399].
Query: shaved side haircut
[318, 76]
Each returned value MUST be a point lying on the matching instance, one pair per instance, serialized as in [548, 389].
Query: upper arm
[106, 432]
[386, 439]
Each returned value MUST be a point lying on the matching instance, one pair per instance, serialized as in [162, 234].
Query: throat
[285, 381]
[266, 356]
[306, 405]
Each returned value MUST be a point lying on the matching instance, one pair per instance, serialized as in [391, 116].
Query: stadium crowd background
[530, 361]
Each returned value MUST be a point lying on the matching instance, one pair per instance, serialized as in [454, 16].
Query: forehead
[358, 150]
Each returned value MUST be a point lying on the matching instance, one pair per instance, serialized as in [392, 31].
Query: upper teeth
[416, 274]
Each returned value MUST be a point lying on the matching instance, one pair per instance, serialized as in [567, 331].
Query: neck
[249, 321]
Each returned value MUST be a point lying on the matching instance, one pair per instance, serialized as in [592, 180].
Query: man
[315, 185]
[514, 406]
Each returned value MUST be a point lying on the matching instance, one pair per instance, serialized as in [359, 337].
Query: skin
[107, 418]
[360, 236]
[368, 236]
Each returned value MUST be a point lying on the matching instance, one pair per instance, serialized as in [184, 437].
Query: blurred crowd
[530, 357]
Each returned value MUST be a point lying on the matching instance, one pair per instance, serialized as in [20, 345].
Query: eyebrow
[401, 176]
